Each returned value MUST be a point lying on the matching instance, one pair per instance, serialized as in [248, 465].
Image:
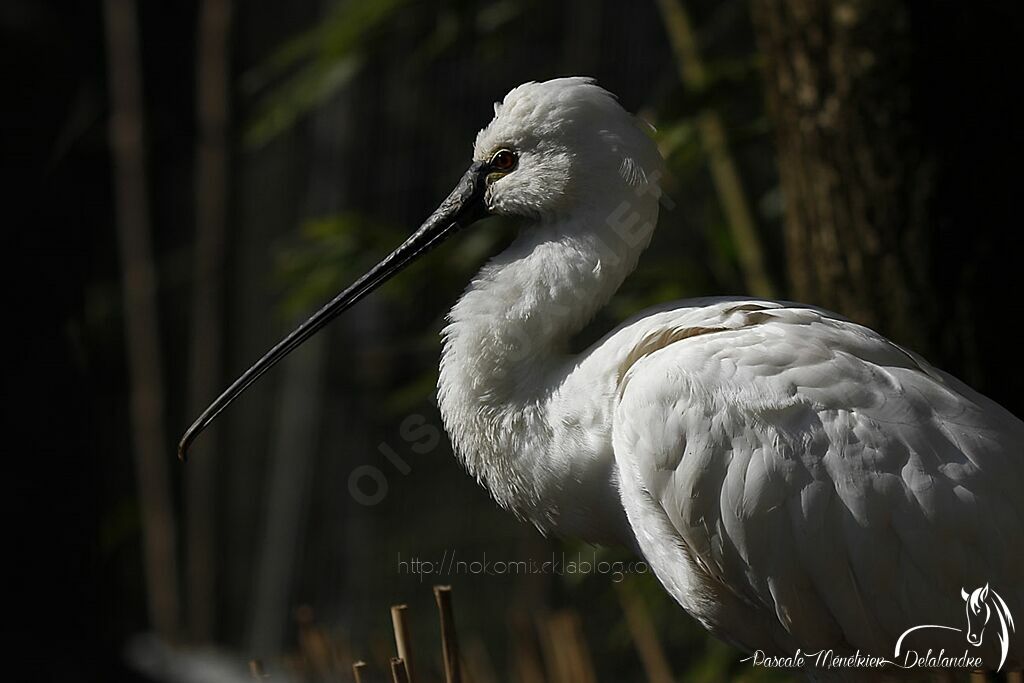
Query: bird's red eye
[504, 160]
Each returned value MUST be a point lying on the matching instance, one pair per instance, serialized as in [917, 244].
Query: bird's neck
[506, 358]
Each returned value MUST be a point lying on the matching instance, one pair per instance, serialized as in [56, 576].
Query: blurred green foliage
[314, 65]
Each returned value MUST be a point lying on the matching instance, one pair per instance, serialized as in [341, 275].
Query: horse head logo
[978, 613]
[981, 604]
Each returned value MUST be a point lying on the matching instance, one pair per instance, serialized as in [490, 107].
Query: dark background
[888, 128]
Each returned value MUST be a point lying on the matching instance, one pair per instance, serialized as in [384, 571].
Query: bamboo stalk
[400, 624]
[205, 363]
[529, 667]
[399, 671]
[554, 664]
[357, 671]
[652, 655]
[341, 652]
[449, 640]
[582, 660]
[723, 169]
[142, 334]
[256, 670]
[978, 676]
[288, 476]
[566, 650]
[477, 663]
[313, 644]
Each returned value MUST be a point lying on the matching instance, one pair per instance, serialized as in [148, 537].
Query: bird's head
[554, 144]
[552, 147]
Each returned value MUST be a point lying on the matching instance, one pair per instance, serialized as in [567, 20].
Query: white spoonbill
[794, 479]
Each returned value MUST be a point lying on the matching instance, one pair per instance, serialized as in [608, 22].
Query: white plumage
[795, 480]
[820, 487]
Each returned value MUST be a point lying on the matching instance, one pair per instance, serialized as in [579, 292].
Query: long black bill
[463, 206]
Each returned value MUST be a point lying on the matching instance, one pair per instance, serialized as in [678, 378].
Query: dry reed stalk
[399, 671]
[449, 640]
[400, 624]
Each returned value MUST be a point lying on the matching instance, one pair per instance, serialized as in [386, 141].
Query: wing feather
[819, 478]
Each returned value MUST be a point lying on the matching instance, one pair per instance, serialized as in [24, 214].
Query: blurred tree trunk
[142, 335]
[206, 364]
[856, 182]
[898, 213]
